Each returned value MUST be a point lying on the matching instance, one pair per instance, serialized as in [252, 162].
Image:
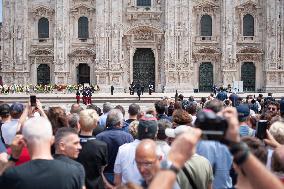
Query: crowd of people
[218, 142]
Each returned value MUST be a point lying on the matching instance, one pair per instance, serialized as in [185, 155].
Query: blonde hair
[277, 131]
[88, 119]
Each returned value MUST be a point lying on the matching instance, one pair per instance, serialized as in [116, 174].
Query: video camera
[213, 126]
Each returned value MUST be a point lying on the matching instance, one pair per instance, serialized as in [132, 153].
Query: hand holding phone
[33, 100]
[261, 127]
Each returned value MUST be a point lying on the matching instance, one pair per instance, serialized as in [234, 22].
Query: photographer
[183, 148]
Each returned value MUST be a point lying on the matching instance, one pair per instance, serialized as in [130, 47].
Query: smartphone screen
[33, 100]
[261, 128]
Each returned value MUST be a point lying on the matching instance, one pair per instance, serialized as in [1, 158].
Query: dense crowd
[222, 141]
[41, 88]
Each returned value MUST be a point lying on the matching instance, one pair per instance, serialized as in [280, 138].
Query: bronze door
[205, 77]
[144, 67]
[43, 74]
[248, 76]
[83, 73]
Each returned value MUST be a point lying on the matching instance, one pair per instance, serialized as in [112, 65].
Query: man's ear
[52, 140]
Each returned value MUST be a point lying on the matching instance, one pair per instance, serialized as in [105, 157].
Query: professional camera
[213, 126]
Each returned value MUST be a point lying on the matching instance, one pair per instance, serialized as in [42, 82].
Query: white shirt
[163, 149]
[125, 163]
[9, 130]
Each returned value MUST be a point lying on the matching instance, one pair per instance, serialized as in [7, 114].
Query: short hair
[61, 133]
[75, 108]
[96, 108]
[119, 107]
[107, 107]
[133, 128]
[73, 120]
[215, 105]
[88, 119]
[57, 118]
[37, 129]
[160, 107]
[114, 118]
[181, 117]
[151, 111]
[133, 109]
[277, 131]
[163, 124]
[191, 108]
[257, 148]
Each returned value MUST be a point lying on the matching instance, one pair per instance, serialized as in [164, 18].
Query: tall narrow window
[248, 25]
[83, 28]
[206, 25]
[43, 28]
[144, 3]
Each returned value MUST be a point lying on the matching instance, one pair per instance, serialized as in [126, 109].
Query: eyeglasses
[146, 165]
[272, 108]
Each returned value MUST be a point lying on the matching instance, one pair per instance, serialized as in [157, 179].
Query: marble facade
[170, 28]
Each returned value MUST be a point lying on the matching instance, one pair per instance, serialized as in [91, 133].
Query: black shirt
[41, 174]
[93, 156]
[80, 167]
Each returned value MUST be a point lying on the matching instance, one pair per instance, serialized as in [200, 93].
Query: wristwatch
[168, 165]
[11, 158]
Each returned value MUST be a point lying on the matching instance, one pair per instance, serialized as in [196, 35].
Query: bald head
[146, 148]
[147, 159]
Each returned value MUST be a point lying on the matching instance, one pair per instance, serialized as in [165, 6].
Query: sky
[0, 10]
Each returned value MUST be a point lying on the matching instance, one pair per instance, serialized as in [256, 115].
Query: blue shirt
[102, 121]
[245, 130]
[2, 147]
[221, 162]
[114, 137]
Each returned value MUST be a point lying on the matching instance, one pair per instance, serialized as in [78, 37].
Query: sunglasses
[271, 108]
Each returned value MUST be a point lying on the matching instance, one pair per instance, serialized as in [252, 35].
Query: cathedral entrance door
[205, 77]
[83, 73]
[144, 67]
[248, 76]
[43, 74]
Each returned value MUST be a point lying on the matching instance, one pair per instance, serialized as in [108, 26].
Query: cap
[282, 106]
[147, 127]
[177, 131]
[17, 107]
[4, 109]
[243, 111]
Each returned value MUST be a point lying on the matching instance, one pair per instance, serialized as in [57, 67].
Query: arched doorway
[43, 74]
[83, 73]
[248, 76]
[144, 67]
[205, 77]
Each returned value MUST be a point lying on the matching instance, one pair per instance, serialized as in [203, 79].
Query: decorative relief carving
[42, 52]
[206, 54]
[42, 11]
[248, 7]
[272, 77]
[143, 34]
[133, 14]
[172, 77]
[82, 9]
[249, 54]
[206, 7]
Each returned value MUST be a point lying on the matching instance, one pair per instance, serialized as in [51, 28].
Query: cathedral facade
[181, 45]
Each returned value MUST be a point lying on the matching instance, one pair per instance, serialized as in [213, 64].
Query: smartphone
[261, 128]
[33, 100]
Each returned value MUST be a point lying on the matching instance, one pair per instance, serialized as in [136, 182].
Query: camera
[213, 126]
